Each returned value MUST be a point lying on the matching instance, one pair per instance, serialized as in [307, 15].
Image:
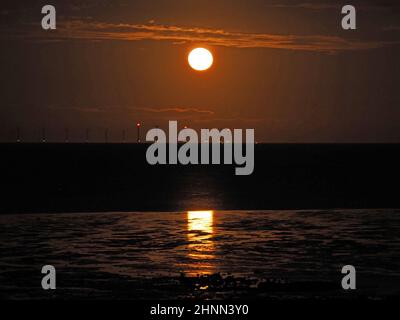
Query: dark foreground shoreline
[51, 178]
[214, 287]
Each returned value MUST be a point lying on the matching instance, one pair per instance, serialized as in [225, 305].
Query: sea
[114, 227]
[278, 254]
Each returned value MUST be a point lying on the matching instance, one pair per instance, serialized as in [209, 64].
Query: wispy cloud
[194, 115]
[235, 119]
[391, 28]
[100, 31]
[305, 5]
[176, 110]
[140, 110]
[78, 109]
[328, 5]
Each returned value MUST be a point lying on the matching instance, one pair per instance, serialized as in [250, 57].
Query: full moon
[200, 59]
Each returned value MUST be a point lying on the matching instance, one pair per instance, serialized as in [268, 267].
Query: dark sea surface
[116, 177]
[172, 232]
[209, 254]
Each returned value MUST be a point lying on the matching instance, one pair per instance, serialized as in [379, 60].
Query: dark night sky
[285, 68]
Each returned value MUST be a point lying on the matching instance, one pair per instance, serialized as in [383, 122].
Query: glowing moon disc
[200, 59]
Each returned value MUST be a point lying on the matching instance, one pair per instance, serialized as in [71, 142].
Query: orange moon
[200, 59]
